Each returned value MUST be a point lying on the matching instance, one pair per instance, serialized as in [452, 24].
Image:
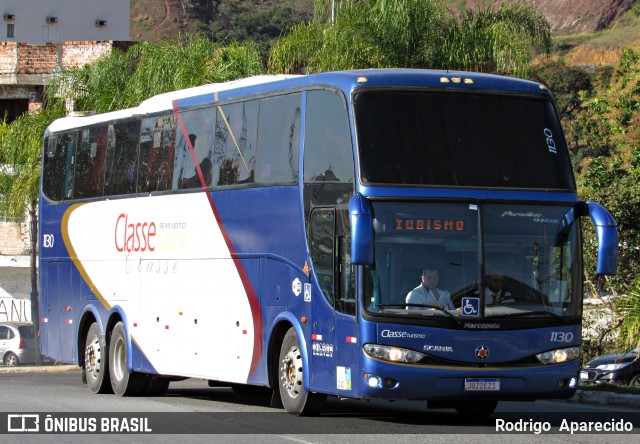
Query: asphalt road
[59, 402]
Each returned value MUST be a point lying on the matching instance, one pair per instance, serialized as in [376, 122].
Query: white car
[17, 343]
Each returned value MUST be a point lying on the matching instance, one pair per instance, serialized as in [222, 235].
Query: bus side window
[328, 151]
[321, 235]
[278, 139]
[52, 164]
[157, 152]
[346, 294]
[70, 140]
[346, 300]
[234, 148]
[122, 146]
[58, 166]
[88, 171]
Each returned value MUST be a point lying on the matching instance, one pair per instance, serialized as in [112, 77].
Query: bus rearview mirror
[607, 236]
[361, 217]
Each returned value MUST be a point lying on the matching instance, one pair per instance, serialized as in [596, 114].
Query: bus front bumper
[383, 380]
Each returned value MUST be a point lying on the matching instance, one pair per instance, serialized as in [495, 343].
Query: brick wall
[8, 57]
[36, 59]
[25, 58]
[15, 239]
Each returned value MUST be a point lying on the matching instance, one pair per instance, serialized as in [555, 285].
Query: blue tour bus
[332, 234]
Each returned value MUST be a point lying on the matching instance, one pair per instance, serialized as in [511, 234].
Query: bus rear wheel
[123, 381]
[96, 366]
[294, 398]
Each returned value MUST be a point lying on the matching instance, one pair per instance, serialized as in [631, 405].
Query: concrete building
[42, 21]
[36, 36]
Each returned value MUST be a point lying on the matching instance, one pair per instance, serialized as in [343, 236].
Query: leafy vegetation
[124, 79]
[501, 37]
[601, 115]
[242, 24]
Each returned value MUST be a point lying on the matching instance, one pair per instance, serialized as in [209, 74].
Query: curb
[606, 398]
[39, 369]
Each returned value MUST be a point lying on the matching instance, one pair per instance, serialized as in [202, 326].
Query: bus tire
[476, 409]
[96, 362]
[290, 379]
[123, 381]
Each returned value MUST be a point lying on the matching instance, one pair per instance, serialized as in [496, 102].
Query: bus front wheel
[96, 366]
[123, 381]
[294, 398]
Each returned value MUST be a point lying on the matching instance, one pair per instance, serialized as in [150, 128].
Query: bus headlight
[559, 355]
[393, 354]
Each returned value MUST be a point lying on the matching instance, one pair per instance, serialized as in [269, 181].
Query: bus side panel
[59, 311]
[266, 222]
[164, 261]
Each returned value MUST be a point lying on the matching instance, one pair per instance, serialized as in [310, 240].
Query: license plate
[584, 375]
[482, 385]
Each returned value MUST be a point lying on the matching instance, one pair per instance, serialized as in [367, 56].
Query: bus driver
[428, 293]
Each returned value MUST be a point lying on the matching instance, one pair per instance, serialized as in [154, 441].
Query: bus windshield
[444, 260]
[461, 139]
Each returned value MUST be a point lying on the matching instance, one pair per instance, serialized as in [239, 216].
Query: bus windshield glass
[467, 260]
[460, 139]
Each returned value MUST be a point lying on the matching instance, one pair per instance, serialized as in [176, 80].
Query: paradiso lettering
[406, 224]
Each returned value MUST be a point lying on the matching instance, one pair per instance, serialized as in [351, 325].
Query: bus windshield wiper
[421, 306]
[533, 313]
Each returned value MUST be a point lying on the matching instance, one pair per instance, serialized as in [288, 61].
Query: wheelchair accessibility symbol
[470, 306]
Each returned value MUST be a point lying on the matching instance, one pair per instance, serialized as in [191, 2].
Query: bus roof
[345, 80]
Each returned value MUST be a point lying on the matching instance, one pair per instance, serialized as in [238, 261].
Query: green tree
[239, 22]
[576, 88]
[413, 34]
[499, 37]
[607, 131]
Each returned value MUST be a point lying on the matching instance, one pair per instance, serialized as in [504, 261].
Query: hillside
[156, 20]
[587, 31]
[582, 16]
[153, 20]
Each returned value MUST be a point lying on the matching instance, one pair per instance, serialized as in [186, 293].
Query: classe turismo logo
[401, 334]
[134, 236]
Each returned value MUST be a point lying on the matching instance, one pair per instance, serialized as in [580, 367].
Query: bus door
[56, 311]
[334, 338]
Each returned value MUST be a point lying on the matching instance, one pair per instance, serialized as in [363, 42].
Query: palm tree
[20, 156]
[414, 34]
[500, 39]
[123, 79]
[629, 307]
